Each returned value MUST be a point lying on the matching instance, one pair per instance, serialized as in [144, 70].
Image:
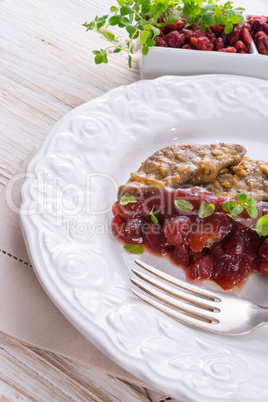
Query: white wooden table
[46, 69]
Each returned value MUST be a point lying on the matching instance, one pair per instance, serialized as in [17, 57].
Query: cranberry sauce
[215, 247]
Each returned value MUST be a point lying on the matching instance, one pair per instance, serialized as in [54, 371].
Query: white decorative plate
[66, 214]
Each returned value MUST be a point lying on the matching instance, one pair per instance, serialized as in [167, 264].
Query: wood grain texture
[47, 69]
[38, 375]
[30, 374]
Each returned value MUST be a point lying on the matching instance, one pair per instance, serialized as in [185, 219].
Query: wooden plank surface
[35, 375]
[47, 69]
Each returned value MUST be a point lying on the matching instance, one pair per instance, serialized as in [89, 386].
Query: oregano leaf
[262, 226]
[128, 199]
[133, 248]
[206, 209]
[183, 205]
[252, 211]
[241, 197]
[237, 210]
[228, 206]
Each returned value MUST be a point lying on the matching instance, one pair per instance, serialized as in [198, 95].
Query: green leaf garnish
[153, 218]
[144, 36]
[241, 197]
[235, 209]
[206, 209]
[127, 199]
[140, 19]
[252, 202]
[145, 50]
[252, 211]
[98, 58]
[133, 248]
[228, 206]
[184, 205]
[262, 226]
[125, 10]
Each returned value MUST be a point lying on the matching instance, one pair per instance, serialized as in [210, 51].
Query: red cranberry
[199, 34]
[203, 43]
[217, 29]
[259, 25]
[161, 34]
[229, 271]
[188, 33]
[219, 44]
[239, 45]
[245, 36]
[202, 268]
[135, 210]
[193, 41]
[211, 36]
[228, 50]
[206, 232]
[241, 26]
[224, 37]
[263, 268]
[252, 18]
[160, 42]
[233, 37]
[177, 26]
[263, 46]
[236, 245]
[128, 231]
[183, 255]
[194, 27]
[174, 39]
[187, 46]
[154, 237]
[176, 228]
[259, 35]
[160, 19]
[263, 251]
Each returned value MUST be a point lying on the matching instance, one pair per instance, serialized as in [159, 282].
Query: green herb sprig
[140, 19]
[211, 13]
[234, 209]
[153, 217]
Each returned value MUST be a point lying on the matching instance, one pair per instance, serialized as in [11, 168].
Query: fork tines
[183, 301]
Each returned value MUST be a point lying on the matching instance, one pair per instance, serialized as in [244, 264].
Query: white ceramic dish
[168, 61]
[66, 213]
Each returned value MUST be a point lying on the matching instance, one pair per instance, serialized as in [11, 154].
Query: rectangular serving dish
[169, 61]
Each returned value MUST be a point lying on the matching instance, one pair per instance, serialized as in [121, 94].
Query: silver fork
[196, 306]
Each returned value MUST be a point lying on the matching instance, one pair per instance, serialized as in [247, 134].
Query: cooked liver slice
[182, 164]
[250, 176]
